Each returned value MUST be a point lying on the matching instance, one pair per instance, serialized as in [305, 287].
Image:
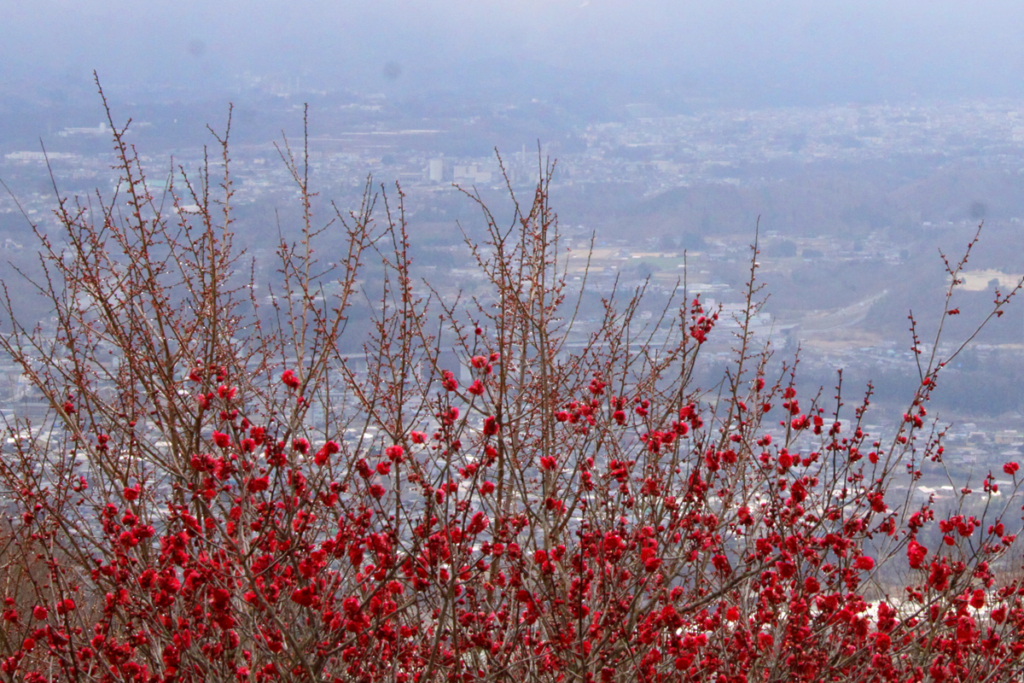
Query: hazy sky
[780, 50]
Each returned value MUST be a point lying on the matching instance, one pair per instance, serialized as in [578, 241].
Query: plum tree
[220, 493]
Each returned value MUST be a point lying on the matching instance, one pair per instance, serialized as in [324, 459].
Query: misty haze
[865, 137]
